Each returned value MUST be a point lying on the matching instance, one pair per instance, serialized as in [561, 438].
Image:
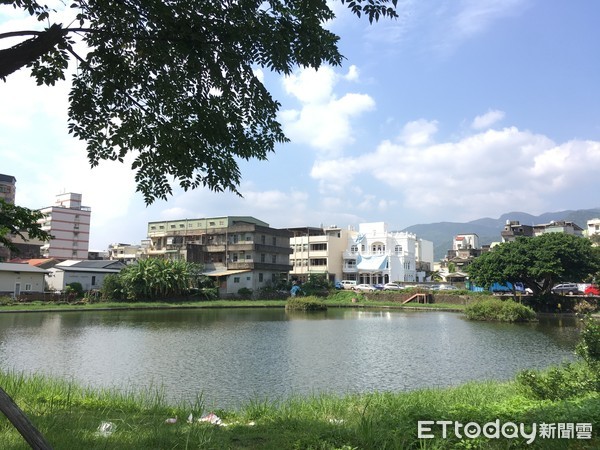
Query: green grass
[341, 298]
[69, 417]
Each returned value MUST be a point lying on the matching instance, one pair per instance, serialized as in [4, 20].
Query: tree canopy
[538, 262]
[16, 220]
[173, 82]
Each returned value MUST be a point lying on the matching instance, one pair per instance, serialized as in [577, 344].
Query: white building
[90, 274]
[69, 225]
[18, 278]
[465, 242]
[593, 227]
[376, 255]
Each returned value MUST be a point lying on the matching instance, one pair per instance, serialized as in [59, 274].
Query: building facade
[8, 188]
[558, 226]
[593, 230]
[317, 251]
[375, 255]
[514, 229]
[238, 251]
[68, 222]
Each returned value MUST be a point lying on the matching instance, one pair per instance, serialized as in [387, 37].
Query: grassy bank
[69, 417]
[343, 298]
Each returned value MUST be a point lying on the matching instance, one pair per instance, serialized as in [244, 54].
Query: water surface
[230, 356]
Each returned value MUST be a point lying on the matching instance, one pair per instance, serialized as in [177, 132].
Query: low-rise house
[90, 274]
[17, 278]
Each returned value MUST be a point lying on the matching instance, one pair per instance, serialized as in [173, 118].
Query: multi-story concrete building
[593, 230]
[513, 229]
[8, 188]
[376, 255]
[558, 226]
[126, 253]
[240, 251]
[317, 251]
[69, 224]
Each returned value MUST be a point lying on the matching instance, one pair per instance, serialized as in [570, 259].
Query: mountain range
[442, 233]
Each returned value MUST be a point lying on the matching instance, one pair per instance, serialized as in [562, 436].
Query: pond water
[231, 356]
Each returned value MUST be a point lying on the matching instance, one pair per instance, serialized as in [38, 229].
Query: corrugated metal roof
[223, 272]
[20, 267]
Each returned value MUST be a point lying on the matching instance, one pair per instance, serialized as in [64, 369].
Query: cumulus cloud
[487, 120]
[487, 172]
[324, 120]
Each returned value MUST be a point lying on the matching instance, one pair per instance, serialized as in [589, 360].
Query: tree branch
[18, 56]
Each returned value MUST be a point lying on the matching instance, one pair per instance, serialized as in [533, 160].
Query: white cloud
[418, 132]
[324, 121]
[487, 120]
[483, 174]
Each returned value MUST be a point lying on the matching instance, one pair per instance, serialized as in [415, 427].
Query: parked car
[566, 288]
[348, 284]
[592, 290]
[338, 285]
[392, 287]
[364, 288]
[447, 287]
[378, 287]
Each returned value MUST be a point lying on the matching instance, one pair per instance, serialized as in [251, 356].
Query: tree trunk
[22, 423]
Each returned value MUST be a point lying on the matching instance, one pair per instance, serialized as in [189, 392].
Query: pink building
[69, 224]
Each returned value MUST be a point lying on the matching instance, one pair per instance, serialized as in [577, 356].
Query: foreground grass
[69, 417]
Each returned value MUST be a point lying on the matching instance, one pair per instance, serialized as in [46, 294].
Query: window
[172, 226]
[153, 227]
[263, 239]
[248, 278]
[262, 257]
[260, 277]
[212, 224]
[398, 249]
[248, 237]
[319, 247]
[93, 280]
[236, 279]
[76, 226]
[274, 259]
[354, 248]
[27, 286]
[162, 227]
[248, 257]
[318, 262]
[274, 240]
[181, 225]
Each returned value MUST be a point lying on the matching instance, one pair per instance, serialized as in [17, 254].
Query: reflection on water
[233, 355]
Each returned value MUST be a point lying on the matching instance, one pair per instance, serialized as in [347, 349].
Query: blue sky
[460, 109]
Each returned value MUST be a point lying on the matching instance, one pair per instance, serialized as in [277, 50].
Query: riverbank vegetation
[70, 416]
[305, 304]
[500, 311]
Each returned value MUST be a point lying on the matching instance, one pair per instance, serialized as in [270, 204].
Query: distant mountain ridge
[488, 229]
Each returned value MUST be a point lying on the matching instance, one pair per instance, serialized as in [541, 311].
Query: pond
[230, 356]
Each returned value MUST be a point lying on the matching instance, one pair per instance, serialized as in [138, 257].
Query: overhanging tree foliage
[173, 82]
[16, 221]
[538, 262]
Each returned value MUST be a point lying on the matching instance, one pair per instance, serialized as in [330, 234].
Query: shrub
[112, 288]
[305, 304]
[74, 288]
[586, 306]
[245, 293]
[589, 345]
[558, 383]
[500, 310]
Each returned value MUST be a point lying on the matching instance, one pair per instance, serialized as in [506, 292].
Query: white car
[447, 287]
[392, 287]
[364, 288]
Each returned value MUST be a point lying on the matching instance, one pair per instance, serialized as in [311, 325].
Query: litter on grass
[105, 429]
[211, 418]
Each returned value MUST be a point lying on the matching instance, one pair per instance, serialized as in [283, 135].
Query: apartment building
[69, 224]
[376, 255]
[8, 188]
[317, 251]
[239, 251]
[593, 227]
[514, 229]
[558, 226]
